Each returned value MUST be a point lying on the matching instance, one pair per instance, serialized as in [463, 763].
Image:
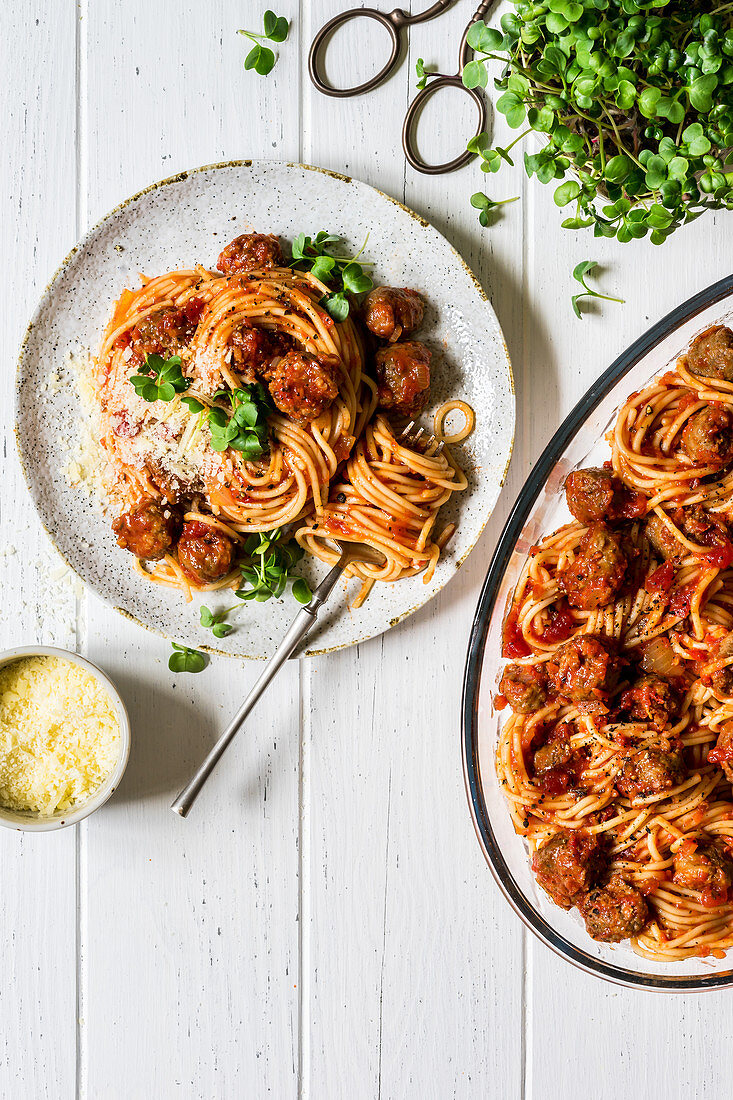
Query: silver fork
[412, 436]
[351, 552]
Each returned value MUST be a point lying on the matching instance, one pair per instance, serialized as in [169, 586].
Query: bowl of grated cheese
[64, 738]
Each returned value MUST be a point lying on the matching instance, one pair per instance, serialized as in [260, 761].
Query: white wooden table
[324, 924]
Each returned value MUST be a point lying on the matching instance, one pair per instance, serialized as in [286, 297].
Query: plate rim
[180, 177]
[528, 494]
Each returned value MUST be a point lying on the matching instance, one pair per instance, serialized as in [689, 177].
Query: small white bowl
[35, 823]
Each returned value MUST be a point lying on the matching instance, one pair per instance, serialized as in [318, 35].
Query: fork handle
[300, 626]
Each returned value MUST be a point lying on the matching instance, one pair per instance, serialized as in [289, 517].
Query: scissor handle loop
[410, 126]
[315, 58]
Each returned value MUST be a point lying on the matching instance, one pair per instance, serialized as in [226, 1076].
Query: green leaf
[618, 168]
[337, 306]
[701, 92]
[484, 39]
[194, 405]
[566, 192]
[220, 630]
[581, 270]
[648, 102]
[301, 590]
[270, 21]
[265, 61]
[253, 57]
[475, 75]
[186, 660]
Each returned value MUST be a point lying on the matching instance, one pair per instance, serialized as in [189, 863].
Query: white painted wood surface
[323, 925]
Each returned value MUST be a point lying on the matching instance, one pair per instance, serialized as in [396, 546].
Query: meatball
[403, 377]
[597, 494]
[707, 437]
[662, 539]
[584, 670]
[614, 912]
[253, 350]
[650, 771]
[704, 868]
[597, 573]
[165, 332]
[722, 681]
[524, 687]
[148, 530]
[722, 754]
[556, 767]
[250, 251]
[391, 313]
[650, 699]
[205, 553]
[711, 353]
[695, 523]
[303, 386]
[556, 751]
[568, 865]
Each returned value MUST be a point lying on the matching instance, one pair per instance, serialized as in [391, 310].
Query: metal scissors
[395, 22]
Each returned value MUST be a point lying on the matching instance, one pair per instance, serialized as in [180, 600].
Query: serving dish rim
[511, 532]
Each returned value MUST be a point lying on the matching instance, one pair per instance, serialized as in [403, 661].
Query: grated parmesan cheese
[59, 735]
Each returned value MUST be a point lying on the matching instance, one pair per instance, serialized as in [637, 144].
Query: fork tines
[412, 436]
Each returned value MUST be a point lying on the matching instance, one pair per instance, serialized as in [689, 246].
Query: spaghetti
[617, 760]
[248, 343]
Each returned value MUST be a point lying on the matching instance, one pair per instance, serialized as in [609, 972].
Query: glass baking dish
[539, 509]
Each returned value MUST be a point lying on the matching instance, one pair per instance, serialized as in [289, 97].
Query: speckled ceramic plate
[188, 219]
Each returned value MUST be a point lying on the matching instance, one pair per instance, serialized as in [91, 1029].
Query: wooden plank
[38, 906]
[416, 962]
[191, 969]
[615, 1048]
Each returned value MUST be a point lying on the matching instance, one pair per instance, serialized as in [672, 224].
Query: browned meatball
[597, 494]
[303, 386]
[650, 699]
[614, 912]
[568, 865]
[662, 539]
[707, 437]
[650, 771]
[704, 868]
[585, 670]
[597, 573]
[722, 754]
[711, 353]
[722, 681]
[165, 332]
[148, 530]
[554, 754]
[391, 313]
[250, 251]
[403, 377]
[523, 687]
[253, 350]
[695, 523]
[205, 554]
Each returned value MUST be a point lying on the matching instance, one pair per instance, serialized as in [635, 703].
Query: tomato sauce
[514, 644]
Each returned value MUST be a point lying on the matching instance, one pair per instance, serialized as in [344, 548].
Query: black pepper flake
[341, 498]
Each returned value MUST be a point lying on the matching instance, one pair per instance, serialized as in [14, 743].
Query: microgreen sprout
[245, 429]
[579, 273]
[184, 659]
[633, 101]
[215, 621]
[159, 379]
[423, 74]
[269, 568]
[488, 206]
[262, 58]
[344, 273]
